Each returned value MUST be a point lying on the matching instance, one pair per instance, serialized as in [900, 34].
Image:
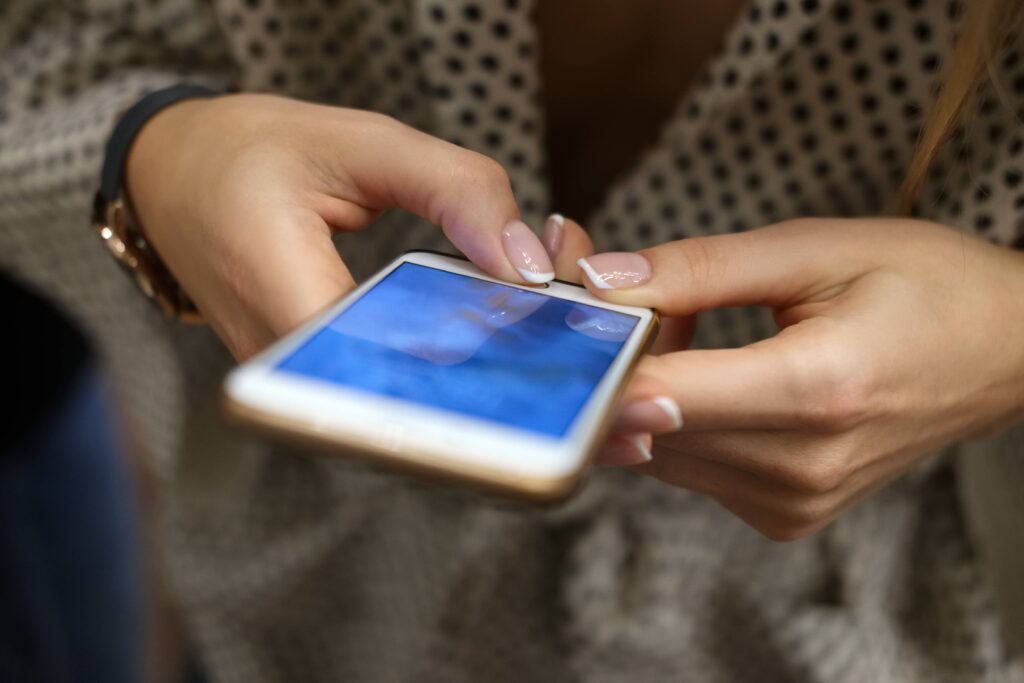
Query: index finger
[466, 193]
[777, 266]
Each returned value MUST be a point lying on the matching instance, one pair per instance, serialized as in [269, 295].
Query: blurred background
[81, 595]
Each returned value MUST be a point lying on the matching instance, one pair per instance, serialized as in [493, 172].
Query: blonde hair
[986, 26]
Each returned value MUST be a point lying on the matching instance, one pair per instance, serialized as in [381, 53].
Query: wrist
[156, 162]
[110, 219]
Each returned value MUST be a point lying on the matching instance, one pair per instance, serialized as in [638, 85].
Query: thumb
[776, 266]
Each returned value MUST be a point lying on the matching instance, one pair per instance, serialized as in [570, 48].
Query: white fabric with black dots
[291, 569]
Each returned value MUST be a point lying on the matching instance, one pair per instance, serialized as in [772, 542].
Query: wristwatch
[111, 219]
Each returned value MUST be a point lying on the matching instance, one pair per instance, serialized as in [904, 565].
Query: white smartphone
[438, 369]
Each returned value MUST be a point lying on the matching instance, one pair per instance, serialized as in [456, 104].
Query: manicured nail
[658, 415]
[526, 253]
[554, 228]
[616, 269]
[624, 450]
[642, 450]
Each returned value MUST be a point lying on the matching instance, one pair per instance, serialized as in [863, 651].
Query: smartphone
[433, 367]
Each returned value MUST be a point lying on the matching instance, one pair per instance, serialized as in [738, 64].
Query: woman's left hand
[897, 338]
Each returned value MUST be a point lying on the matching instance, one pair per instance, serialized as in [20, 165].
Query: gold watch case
[137, 257]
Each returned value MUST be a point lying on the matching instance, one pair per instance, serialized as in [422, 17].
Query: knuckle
[375, 122]
[823, 476]
[798, 518]
[474, 176]
[834, 393]
[701, 259]
[486, 171]
[818, 473]
[838, 409]
[809, 511]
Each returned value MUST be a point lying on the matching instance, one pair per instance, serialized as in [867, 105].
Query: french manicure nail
[659, 415]
[624, 450]
[525, 251]
[616, 269]
[554, 228]
[643, 451]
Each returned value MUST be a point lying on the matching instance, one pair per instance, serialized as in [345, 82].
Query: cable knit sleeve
[68, 70]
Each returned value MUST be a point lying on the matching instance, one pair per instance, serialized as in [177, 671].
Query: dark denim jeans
[71, 594]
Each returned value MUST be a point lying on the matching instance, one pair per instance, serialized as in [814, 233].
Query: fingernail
[643, 452]
[554, 228]
[526, 252]
[659, 415]
[624, 450]
[616, 269]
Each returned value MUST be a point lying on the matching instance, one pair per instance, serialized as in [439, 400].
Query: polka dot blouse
[292, 569]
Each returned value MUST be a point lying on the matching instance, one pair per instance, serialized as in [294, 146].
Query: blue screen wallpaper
[457, 343]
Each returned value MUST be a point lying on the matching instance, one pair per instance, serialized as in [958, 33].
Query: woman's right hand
[240, 195]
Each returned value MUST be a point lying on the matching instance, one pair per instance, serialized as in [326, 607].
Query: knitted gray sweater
[297, 569]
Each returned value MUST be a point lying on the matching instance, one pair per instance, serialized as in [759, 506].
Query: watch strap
[112, 175]
[110, 218]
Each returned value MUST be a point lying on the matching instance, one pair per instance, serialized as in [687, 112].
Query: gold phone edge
[435, 467]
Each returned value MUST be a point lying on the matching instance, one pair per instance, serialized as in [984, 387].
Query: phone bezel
[423, 440]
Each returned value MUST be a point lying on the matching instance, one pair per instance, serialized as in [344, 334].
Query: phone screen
[454, 342]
